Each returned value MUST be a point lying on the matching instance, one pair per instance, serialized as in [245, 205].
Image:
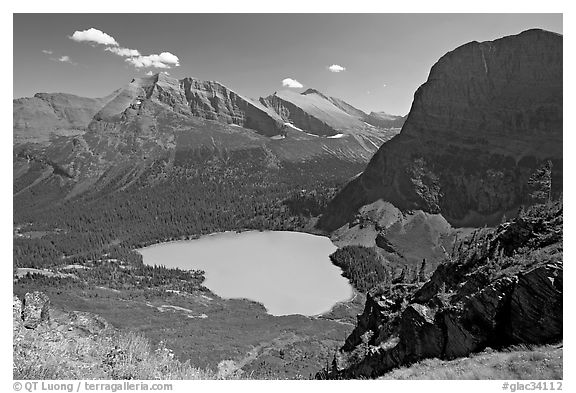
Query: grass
[520, 362]
[47, 353]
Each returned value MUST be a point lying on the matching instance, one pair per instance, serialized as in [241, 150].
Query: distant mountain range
[37, 118]
[152, 117]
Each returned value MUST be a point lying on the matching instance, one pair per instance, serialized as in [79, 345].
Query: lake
[288, 272]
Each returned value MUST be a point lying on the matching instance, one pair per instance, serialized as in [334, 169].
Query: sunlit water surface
[288, 272]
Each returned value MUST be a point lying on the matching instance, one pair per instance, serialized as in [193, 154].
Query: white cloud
[65, 59]
[163, 60]
[384, 85]
[149, 73]
[124, 52]
[336, 68]
[133, 56]
[47, 52]
[95, 36]
[292, 83]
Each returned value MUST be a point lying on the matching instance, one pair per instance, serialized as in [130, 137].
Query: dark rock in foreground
[498, 290]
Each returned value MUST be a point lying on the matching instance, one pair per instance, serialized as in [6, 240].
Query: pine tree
[540, 183]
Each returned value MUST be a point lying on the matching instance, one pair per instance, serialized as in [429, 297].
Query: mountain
[385, 120]
[312, 111]
[484, 132]
[211, 100]
[97, 142]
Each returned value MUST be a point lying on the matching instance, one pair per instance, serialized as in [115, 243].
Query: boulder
[459, 340]
[36, 309]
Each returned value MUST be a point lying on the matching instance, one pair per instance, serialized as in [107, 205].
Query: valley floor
[516, 363]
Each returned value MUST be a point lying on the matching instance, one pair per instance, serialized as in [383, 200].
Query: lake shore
[288, 272]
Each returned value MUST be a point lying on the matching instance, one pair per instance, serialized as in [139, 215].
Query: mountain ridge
[188, 96]
[449, 150]
[88, 144]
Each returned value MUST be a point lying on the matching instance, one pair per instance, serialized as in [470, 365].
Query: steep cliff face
[501, 287]
[488, 119]
[211, 100]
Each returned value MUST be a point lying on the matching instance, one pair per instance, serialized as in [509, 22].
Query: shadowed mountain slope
[486, 122]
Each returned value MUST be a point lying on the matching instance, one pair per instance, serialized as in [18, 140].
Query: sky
[373, 61]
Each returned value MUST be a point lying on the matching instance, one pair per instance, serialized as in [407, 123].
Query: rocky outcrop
[35, 312]
[536, 305]
[36, 309]
[488, 119]
[497, 290]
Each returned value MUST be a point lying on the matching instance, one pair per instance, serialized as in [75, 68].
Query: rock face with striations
[487, 119]
[211, 100]
[502, 287]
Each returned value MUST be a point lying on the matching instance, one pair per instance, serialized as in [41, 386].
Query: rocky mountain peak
[487, 119]
[314, 91]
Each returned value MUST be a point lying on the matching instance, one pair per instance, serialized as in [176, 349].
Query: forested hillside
[198, 195]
